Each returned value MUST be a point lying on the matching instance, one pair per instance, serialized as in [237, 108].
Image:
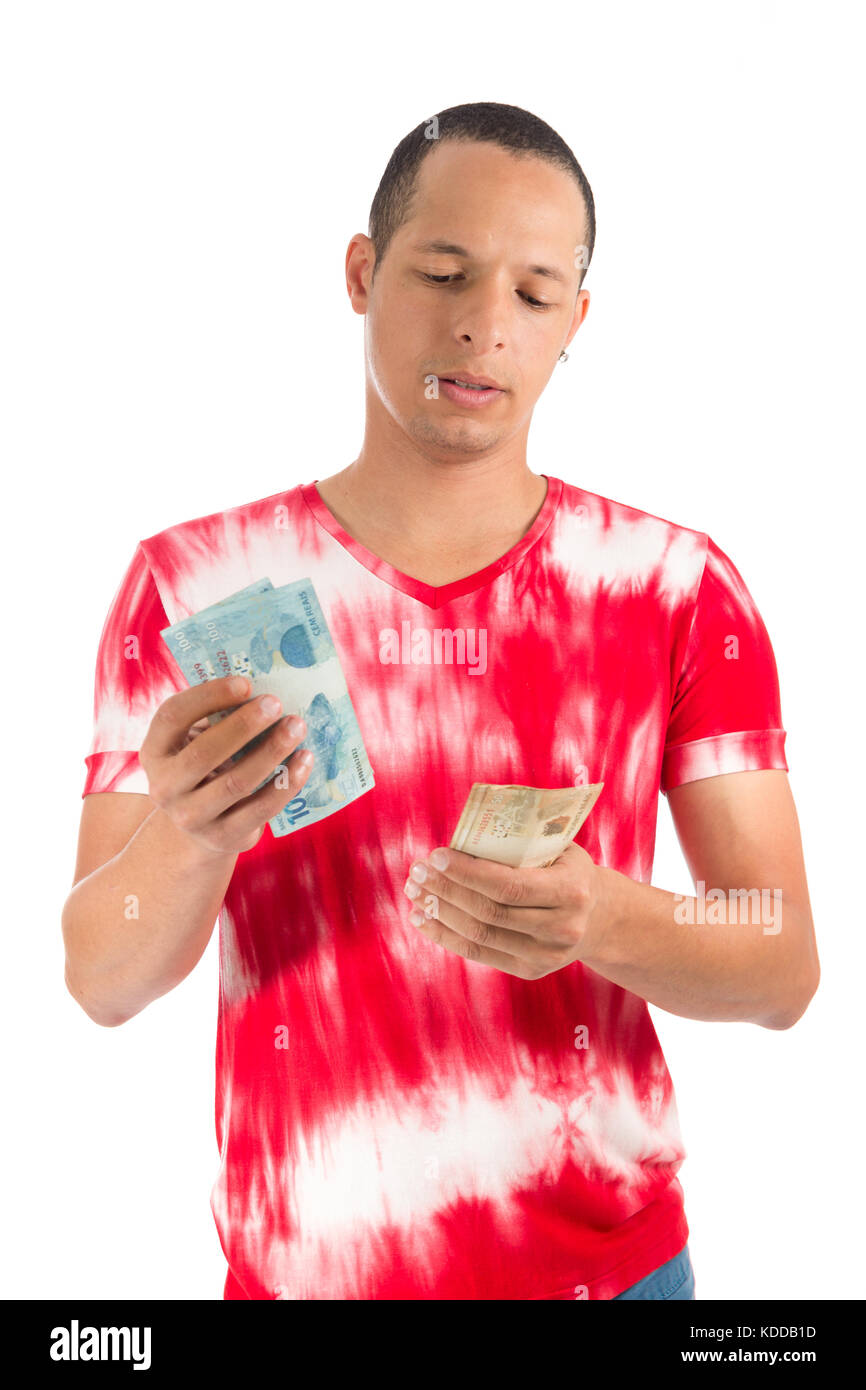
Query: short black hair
[510, 127]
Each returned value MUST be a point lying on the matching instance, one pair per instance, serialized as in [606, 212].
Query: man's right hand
[190, 775]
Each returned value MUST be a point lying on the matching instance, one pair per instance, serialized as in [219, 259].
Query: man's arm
[738, 831]
[137, 924]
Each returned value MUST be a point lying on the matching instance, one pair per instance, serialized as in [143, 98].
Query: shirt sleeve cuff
[708, 757]
[114, 772]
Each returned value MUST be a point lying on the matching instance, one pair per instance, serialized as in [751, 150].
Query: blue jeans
[674, 1279]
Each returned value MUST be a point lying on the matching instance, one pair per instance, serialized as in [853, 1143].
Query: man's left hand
[526, 922]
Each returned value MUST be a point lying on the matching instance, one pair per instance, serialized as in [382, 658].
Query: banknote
[194, 644]
[186, 640]
[526, 827]
[279, 639]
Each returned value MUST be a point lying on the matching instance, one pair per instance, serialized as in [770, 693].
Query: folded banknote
[526, 827]
[279, 640]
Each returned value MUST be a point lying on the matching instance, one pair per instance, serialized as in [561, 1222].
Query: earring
[563, 356]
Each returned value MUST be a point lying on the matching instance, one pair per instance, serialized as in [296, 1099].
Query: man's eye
[444, 279]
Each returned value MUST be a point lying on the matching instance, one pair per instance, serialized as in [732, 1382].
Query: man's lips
[472, 379]
[466, 395]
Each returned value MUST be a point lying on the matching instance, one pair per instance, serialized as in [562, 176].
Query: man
[437, 1076]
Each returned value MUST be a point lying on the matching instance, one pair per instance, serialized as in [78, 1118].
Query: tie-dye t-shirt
[393, 1121]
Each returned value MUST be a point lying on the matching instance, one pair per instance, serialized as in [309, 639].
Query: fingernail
[439, 858]
[418, 872]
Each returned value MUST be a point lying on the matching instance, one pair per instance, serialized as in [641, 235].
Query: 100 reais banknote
[279, 640]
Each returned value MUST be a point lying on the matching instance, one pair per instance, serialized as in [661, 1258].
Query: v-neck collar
[434, 596]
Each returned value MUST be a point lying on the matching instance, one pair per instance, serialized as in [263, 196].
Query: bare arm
[135, 926]
[745, 954]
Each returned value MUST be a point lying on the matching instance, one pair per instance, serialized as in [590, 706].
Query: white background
[180, 184]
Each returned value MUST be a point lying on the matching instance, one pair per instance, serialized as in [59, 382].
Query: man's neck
[435, 524]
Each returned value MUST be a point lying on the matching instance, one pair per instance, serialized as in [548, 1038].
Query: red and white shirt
[395, 1122]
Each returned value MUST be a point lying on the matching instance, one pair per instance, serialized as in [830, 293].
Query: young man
[437, 1077]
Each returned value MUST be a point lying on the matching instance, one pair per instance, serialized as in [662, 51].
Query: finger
[172, 720]
[201, 726]
[186, 770]
[526, 921]
[441, 935]
[209, 800]
[523, 945]
[248, 815]
[502, 883]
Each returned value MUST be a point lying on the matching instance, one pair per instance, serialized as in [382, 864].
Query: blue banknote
[186, 640]
[279, 639]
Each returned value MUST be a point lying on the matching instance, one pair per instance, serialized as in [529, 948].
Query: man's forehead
[442, 193]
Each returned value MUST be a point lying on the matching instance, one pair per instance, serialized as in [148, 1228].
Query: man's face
[436, 314]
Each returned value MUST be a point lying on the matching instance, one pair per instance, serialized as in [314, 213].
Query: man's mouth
[469, 393]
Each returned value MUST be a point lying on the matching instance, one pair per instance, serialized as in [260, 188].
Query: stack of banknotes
[279, 639]
[526, 827]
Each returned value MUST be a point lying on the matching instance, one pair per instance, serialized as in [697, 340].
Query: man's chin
[467, 439]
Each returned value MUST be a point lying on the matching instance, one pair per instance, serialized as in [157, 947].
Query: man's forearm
[136, 926]
[725, 968]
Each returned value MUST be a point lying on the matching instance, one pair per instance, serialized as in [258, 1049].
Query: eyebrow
[448, 248]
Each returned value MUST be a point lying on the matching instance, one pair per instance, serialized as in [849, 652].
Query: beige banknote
[526, 827]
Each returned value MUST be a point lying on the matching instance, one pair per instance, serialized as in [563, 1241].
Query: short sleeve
[726, 713]
[135, 672]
